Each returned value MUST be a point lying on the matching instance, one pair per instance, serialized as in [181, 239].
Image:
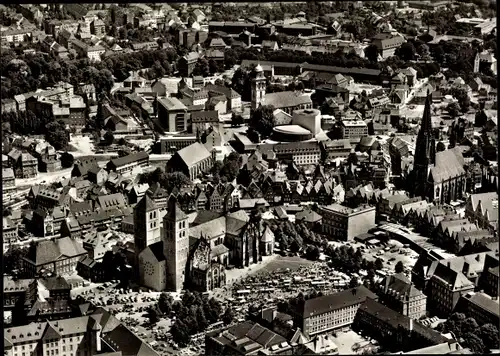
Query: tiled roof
[146, 204]
[111, 201]
[118, 162]
[448, 165]
[172, 103]
[485, 302]
[248, 336]
[48, 251]
[10, 285]
[489, 203]
[55, 283]
[192, 154]
[286, 99]
[205, 116]
[326, 303]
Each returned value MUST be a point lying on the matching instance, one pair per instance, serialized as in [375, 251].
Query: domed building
[305, 125]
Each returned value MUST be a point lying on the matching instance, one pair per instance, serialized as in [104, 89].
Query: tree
[474, 343]
[399, 268]
[354, 282]
[153, 316]
[201, 320]
[56, 135]
[453, 109]
[371, 52]
[262, 120]
[379, 264]
[108, 138]
[180, 333]
[236, 120]
[228, 316]
[165, 304]
[489, 335]
[295, 246]
[67, 160]
[406, 52]
[312, 253]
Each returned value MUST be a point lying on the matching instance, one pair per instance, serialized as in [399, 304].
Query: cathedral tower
[175, 245]
[258, 87]
[146, 224]
[425, 155]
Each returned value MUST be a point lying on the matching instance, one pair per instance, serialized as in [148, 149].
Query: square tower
[175, 245]
[258, 87]
[146, 224]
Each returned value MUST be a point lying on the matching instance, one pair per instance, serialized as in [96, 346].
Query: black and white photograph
[250, 178]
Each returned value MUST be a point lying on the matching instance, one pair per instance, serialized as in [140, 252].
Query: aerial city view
[295, 178]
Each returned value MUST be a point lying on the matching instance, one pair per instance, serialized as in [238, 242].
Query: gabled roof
[192, 154]
[118, 162]
[49, 251]
[326, 303]
[146, 204]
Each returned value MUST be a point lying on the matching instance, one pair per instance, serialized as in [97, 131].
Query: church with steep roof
[187, 252]
[436, 176]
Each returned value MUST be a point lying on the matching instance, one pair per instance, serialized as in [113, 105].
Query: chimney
[411, 325]
[448, 264]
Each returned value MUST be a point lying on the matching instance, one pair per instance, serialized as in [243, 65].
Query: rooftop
[327, 303]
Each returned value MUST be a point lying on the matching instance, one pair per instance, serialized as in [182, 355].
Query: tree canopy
[262, 120]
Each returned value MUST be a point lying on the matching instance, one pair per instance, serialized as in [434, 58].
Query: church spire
[426, 126]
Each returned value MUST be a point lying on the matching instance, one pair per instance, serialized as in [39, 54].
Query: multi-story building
[192, 161]
[398, 293]
[173, 115]
[301, 153]
[187, 64]
[330, 312]
[14, 35]
[27, 166]
[393, 330]
[333, 149]
[482, 307]
[387, 43]
[9, 231]
[69, 337]
[345, 223]
[354, 129]
[58, 256]
[8, 180]
[248, 338]
[85, 51]
[482, 209]
[490, 276]
[445, 289]
[14, 291]
[127, 163]
[97, 333]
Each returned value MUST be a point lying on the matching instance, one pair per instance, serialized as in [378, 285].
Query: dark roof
[118, 162]
[205, 116]
[56, 283]
[48, 251]
[326, 303]
[146, 204]
[204, 216]
[157, 250]
[129, 343]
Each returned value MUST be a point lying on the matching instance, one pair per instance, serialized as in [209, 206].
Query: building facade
[329, 312]
[345, 223]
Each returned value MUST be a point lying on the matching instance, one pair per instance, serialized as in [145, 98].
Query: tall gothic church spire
[425, 154]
